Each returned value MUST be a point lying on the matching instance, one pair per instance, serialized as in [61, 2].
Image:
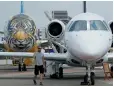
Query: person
[111, 71]
[39, 65]
[111, 68]
[43, 51]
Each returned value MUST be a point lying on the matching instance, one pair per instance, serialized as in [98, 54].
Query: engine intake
[55, 30]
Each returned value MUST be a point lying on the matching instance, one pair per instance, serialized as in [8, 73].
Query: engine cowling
[55, 30]
[111, 27]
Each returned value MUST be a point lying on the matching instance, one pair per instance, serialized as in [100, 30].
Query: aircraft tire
[54, 76]
[92, 78]
[86, 78]
[60, 72]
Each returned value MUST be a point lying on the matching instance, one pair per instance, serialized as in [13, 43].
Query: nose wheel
[89, 78]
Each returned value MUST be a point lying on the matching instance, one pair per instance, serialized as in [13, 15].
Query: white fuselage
[88, 45]
[88, 37]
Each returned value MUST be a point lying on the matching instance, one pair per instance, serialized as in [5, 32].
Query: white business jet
[87, 38]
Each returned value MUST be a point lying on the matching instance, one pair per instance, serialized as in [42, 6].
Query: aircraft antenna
[22, 7]
[84, 6]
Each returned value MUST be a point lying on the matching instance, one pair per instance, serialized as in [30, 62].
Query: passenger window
[78, 25]
[97, 25]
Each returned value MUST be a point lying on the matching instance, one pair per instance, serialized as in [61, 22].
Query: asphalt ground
[72, 77]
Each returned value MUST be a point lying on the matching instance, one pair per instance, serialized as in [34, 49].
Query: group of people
[40, 65]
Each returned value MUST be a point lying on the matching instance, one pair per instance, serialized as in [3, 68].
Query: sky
[35, 9]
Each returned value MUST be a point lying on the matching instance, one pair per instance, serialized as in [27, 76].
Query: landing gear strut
[19, 67]
[89, 78]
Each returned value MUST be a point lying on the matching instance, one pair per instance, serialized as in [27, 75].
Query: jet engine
[111, 26]
[55, 30]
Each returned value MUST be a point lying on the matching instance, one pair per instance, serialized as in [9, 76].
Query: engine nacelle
[111, 27]
[55, 30]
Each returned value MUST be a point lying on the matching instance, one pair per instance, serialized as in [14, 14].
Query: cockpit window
[97, 25]
[69, 25]
[78, 25]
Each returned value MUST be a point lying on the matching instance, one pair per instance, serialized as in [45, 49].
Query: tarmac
[72, 77]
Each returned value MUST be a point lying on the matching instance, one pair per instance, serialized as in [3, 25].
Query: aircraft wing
[16, 54]
[48, 56]
[1, 32]
[55, 56]
[108, 57]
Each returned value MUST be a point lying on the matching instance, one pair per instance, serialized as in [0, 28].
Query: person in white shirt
[39, 65]
[43, 50]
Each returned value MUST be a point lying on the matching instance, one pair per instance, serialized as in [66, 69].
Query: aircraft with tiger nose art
[87, 38]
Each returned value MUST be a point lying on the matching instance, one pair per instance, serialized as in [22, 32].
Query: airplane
[20, 33]
[87, 38]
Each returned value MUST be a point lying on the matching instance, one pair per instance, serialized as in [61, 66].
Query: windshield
[97, 25]
[78, 25]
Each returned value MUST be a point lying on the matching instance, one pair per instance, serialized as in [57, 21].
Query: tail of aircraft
[22, 7]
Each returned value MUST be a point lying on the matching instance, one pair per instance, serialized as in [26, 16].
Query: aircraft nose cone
[90, 45]
[20, 35]
[91, 50]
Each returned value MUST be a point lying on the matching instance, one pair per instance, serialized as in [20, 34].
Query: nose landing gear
[89, 78]
[58, 75]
